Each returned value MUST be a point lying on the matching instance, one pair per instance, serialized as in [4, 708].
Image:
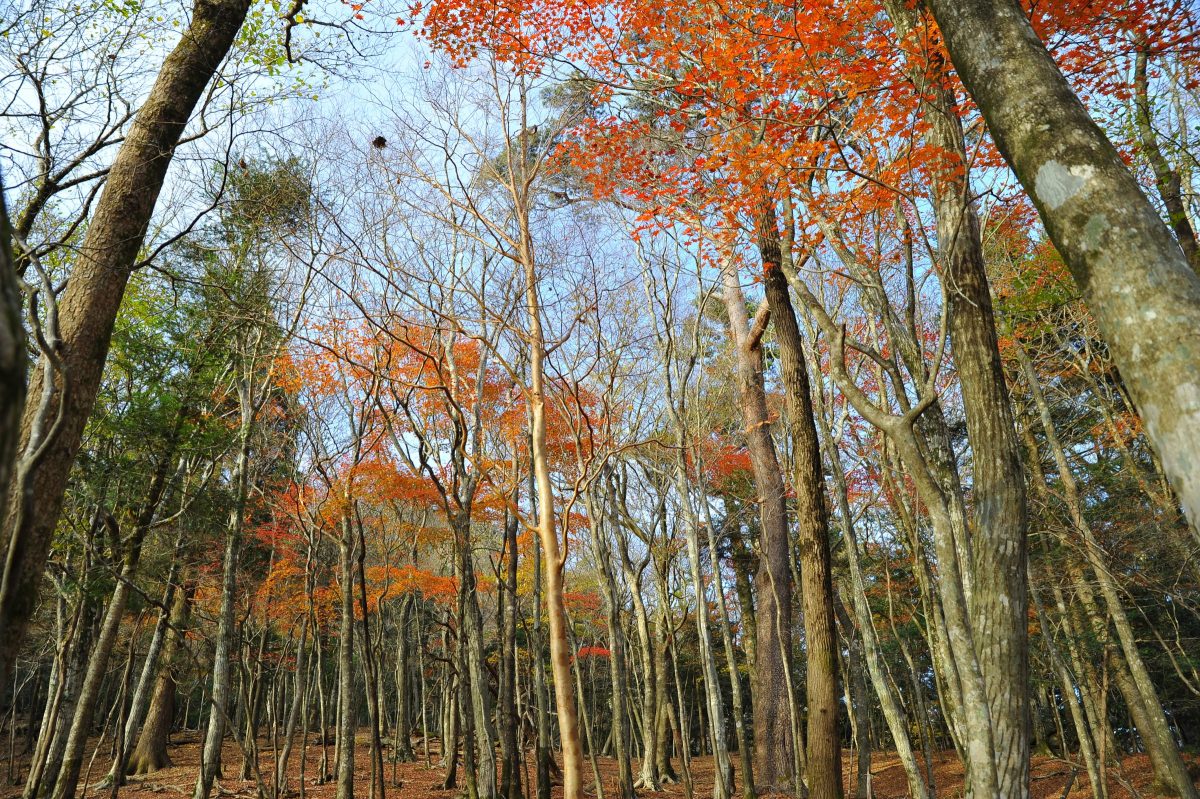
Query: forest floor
[415, 780]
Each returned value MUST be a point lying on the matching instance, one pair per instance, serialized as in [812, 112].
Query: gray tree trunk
[344, 777]
[210, 760]
[1135, 278]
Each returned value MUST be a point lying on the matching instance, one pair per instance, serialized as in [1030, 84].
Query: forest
[548, 399]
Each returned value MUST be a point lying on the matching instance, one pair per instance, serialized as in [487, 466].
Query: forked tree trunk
[662, 709]
[88, 306]
[620, 736]
[648, 778]
[547, 530]
[774, 756]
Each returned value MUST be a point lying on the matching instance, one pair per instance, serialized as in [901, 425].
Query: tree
[12, 360]
[1132, 272]
[816, 567]
[70, 377]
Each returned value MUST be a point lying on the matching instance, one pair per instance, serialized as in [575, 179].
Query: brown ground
[418, 781]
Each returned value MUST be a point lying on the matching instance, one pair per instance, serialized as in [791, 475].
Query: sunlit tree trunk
[560, 654]
[998, 603]
[774, 757]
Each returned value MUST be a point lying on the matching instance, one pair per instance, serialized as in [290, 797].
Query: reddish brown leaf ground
[419, 781]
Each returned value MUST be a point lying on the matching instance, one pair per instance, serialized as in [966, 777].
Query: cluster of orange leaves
[749, 96]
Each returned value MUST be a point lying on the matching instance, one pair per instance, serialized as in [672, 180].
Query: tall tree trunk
[1134, 276]
[89, 305]
[510, 762]
[556, 614]
[210, 758]
[824, 742]
[344, 776]
[542, 753]
[370, 671]
[773, 739]
[477, 697]
[998, 604]
[403, 733]
[12, 375]
[662, 721]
